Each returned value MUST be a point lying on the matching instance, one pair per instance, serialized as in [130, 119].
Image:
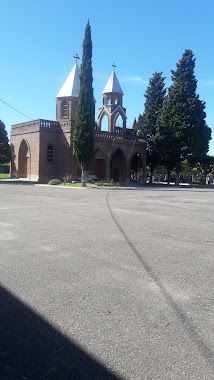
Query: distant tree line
[173, 124]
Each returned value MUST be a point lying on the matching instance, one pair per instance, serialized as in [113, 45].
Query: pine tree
[154, 95]
[182, 130]
[5, 153]
[134, 126]
[85, 114]
[138, 126]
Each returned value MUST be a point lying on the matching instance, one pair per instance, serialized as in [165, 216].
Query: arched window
[118, 122]
[64, 109]
[104, 123]
[50, 153]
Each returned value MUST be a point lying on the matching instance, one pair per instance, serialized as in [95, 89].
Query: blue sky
[40, 38]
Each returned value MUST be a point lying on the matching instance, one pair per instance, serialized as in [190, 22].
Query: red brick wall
[39, 133]
[48, 135]
[30, 132]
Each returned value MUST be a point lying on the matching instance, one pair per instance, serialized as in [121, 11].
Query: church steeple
[112, 105]
[113, 85]
[67, 97]
[71, 86]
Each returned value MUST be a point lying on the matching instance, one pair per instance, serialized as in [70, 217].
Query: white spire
[113, 85]
[71, 87]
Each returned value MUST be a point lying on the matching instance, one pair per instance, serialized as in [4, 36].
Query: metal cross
[113, 66]
[76, 57]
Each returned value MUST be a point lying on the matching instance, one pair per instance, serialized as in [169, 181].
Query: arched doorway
[118, 170]
[136, 167]
[99, 164]
[24, 160]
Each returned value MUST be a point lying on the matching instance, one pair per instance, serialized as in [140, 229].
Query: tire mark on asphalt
[205, 350]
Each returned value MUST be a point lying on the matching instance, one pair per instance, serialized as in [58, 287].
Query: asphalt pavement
[106, 284]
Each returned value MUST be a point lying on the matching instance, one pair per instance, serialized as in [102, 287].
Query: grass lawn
[77, 184]
[4, 176]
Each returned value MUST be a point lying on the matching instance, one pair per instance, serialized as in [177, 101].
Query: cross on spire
[76, 57]
[113, 66]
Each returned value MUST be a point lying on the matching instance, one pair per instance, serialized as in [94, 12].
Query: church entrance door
[24, 160]
[118, 166]
[99, 164]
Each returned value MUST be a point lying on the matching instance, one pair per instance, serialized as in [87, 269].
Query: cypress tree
[154, 95]
[5, 153]
[182, 130]
[85, 114]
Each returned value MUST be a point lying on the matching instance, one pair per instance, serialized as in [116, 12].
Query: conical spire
[71, 86]
[113, 85]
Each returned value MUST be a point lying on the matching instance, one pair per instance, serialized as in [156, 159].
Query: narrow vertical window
[64, 109]
[50, 153]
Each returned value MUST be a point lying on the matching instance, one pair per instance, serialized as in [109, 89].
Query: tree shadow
[17, 182]
[32, 349]
[190, 329]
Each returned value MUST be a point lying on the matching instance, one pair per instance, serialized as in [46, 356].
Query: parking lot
[106, 284]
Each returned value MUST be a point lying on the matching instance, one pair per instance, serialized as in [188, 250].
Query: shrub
[5, 168]
[68, 178]
[54, 182]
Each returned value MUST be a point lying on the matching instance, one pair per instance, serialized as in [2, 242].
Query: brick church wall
[109, 143]
[64, 150]
[48, 135]
[30, 132]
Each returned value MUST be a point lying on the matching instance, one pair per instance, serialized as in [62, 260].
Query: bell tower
[113, 105]
[67, 97]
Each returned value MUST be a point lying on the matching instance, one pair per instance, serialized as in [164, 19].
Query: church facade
[43, 149]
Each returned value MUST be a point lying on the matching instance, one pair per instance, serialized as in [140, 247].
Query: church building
[43, 149]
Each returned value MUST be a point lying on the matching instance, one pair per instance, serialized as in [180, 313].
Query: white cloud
[134, 79]
[131, 79]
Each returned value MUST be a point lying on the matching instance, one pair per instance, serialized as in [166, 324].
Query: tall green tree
[155, 95]
[134, 126]
[5, 152]
[138, 126]
[85, 114]
[182, 130]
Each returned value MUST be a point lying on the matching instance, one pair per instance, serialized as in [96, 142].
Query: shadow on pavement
[191, 330]
[31, 349]
[16, 182]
